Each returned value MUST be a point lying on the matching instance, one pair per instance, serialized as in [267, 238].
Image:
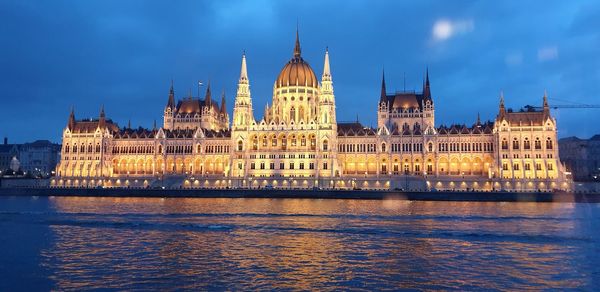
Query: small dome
[297, 72]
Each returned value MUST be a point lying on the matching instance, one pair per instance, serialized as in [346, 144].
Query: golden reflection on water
[300, 244]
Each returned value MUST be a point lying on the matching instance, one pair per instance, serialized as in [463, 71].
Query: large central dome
[297, 72]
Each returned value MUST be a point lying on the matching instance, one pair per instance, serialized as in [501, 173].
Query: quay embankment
[475, 196]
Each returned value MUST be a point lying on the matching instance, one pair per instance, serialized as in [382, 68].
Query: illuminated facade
[298, 143]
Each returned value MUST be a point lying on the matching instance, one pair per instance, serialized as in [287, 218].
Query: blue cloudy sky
[123, 54]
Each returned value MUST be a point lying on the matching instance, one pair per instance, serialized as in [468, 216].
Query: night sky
[123, 55]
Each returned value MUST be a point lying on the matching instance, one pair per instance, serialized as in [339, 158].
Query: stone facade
[298, 143]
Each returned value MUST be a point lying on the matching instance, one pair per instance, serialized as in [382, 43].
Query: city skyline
[123, 56]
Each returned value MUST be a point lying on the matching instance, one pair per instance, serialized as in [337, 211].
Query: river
[80, 243]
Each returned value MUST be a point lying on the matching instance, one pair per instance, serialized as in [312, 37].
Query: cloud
[444, 29]
[514, 59]
[547, 54]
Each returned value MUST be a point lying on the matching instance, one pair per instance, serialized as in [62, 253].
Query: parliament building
[299, 143]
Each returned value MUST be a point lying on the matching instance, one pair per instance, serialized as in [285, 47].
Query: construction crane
[531, 107]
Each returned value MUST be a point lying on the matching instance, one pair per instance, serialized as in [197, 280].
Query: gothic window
[283, 142]
[538, 144]
[98, 148]
[292, 114]
[313, 142]
[160, 149]
[264, 141]
[516, 166]
[325, 145]
[302, 140]
[504, 144]
[383, 148]
[199, 149]
[550, 166]
[273, 141]
[430, 147]
[240, 145]
[548, 143]
[526, 144]
[255, 143]
[293, 141]
[515, 144]
[67, 149]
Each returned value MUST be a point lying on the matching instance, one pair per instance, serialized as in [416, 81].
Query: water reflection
[236, 244]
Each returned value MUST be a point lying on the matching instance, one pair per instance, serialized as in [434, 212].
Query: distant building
[39, 157]
[7, 152]
[581, 157]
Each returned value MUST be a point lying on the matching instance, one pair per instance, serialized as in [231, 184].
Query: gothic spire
[426, 88]
[546, 107]
[297, 47]
[244, 70]
[71, 123]
[102, 120]
[501, 99]
[223, 107]
[207, 97]
[383, 96]
[171, 102]
[326, 69]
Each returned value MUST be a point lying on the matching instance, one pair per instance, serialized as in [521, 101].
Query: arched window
[383, 147]
[303, 140]
[313, 142]
[325, 145]
[548, 143]
[89, 148]
[515, 144]
[82, 148]
[240, 146]
[199, 148]
[538, 144]
[292, 114]
[67, 148]
[526, 144]
[293, 141]
[98, 147]
[274, 141]
[430, 147]
[160, 149]
[255, 143]
[504, 144]
[264, 141]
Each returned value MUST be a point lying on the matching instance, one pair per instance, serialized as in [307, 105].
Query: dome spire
[297, 47]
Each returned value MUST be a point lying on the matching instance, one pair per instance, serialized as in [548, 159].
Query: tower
[383, 108]
[428, 106]
[169, 109]
[242, 110]
[327, 98]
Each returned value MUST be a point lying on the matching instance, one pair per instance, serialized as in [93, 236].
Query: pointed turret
[71, 123]
[242, 109]
[383, 96]
[171, 101]
[502, 109]
[154, 125]
[297, 49]
[478, 120]
[546, 107]
[244, 70]
[129, 124]
[207, 97]
[223, 107]
[426, 88]
[326, 69]
[102, 119]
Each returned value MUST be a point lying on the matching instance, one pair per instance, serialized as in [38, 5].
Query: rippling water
[64, 243]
